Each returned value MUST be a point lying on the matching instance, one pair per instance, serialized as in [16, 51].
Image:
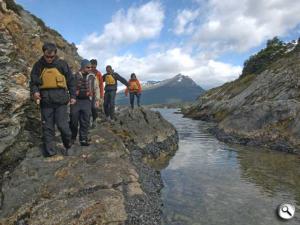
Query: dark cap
[133, 76]
[93, 61]
[49, 47]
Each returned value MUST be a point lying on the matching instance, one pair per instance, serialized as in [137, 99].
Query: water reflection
[208, 182]
[274, 172]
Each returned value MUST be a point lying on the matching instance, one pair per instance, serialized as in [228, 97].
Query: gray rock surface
[104, 183]
[257, 109]
[21, 38]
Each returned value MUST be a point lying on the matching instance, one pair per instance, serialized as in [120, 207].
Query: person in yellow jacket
[52, 86]
[134, 88]
[111, 84]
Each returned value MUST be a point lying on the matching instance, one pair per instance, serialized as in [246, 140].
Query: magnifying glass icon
[286, 211]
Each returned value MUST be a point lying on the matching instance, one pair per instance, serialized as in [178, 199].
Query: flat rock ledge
[104, 183]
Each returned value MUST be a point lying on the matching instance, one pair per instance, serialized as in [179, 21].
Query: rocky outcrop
[105, 183]
[148, 137]
[257, 109]
[21, 38]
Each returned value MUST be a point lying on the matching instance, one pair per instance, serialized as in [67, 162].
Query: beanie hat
[93, 61]
[84, 63]
[133, 76]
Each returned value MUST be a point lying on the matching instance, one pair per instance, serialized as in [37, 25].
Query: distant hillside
[180, 88]
[261, 107]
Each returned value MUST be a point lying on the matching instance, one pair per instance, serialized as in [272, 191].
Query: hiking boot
[64, 152]
[93, 124]
[69, 145]
[49, 154]
[84, 143]
[73, 141]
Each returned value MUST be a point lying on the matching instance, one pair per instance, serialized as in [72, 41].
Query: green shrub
[257, 63]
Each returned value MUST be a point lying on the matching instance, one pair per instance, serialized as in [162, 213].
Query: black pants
[138, 95]
[94, 109]
[109, 103]
[80, 113]
[58, 115]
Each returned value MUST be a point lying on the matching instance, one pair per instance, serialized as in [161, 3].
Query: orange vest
[133, 86]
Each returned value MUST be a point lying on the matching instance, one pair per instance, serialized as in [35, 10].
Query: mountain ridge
[179, 88]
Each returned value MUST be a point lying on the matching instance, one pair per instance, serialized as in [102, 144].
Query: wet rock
[257, 109]
[133, 123]
[146, 134]
[104, 183]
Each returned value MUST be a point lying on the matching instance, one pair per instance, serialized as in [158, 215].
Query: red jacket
[134, 86]
[100, 80]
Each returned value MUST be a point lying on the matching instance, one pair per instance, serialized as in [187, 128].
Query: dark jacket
[49, 96]
[87, 86]
[117, 78]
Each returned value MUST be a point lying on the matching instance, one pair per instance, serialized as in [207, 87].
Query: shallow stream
[210, 182]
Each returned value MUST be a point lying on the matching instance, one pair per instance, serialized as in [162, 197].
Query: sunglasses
[49, 56]
[88, 67]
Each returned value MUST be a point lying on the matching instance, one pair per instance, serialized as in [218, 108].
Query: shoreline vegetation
[262, 106]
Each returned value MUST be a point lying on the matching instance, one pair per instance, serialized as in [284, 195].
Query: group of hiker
[53, 86]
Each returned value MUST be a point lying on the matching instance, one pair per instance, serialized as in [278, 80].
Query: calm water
[209, 182]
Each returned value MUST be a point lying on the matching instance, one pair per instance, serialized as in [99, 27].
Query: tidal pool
[210, 182]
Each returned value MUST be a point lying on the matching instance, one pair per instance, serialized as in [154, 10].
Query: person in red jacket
[134, 88]
[100, 81]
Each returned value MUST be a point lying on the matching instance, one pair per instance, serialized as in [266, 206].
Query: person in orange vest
[98, 76]
[134, 88]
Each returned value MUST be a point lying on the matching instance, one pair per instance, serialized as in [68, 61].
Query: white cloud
[137, 23]
[211, 28]
[214, 73]
[183, 22]
[163, 65]
[239, 25]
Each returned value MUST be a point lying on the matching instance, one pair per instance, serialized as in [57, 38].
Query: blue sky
[207, 40]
